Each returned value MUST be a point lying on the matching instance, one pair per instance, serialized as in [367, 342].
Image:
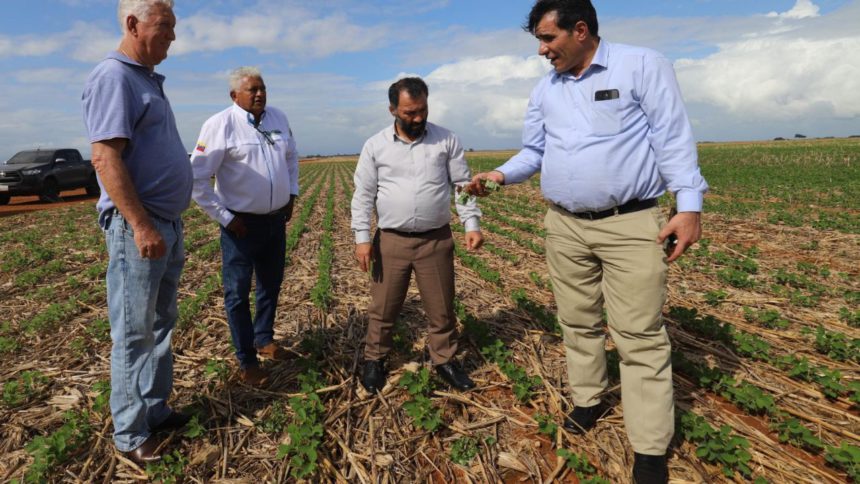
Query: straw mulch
[371, 438]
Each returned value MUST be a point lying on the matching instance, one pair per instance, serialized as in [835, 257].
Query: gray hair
[138, 8]
[240, 73]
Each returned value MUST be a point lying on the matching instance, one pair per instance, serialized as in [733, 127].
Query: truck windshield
[27, 157]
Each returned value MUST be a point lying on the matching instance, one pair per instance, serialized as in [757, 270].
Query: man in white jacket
[250, 151]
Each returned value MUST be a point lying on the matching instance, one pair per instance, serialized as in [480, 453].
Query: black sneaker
[373, 376]
[650, 469]
[454, 375]
[582, 419]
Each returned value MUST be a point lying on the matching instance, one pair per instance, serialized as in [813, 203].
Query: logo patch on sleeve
[201, 147]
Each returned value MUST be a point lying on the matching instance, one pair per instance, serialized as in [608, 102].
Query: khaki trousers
[615, 261]
[396, 256]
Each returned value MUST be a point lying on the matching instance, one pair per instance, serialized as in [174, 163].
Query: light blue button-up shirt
[597, 154]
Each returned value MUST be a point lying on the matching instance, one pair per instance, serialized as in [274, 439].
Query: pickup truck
[46, 173]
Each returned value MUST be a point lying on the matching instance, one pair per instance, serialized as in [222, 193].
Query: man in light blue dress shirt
[608, 131]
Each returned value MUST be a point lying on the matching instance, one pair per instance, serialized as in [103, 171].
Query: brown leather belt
[634, 205]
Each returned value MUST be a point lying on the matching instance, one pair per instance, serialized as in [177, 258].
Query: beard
[413, 130]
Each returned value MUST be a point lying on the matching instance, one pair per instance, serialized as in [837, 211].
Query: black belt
[634, 205]
[273, 213]
[412, 234]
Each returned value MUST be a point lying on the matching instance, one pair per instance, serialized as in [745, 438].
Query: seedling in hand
[464, 196]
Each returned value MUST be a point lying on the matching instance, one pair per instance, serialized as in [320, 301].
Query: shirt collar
[599, 61]
[245, 115]
[119, 56]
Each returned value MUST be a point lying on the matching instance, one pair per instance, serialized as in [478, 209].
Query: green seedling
[169, 470]
[463, 197]
[546, 425]
[463, 450]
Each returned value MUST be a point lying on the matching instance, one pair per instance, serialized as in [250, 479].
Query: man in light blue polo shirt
[608, 132]
[146, 183]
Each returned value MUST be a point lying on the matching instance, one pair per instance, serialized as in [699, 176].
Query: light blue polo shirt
[123, 99]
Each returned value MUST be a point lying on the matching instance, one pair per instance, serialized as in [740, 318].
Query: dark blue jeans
[261, 252]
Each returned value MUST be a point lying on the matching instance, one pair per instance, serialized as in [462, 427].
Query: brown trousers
[395, 256]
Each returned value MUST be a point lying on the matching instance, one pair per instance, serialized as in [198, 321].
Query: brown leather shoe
[273, 352]
[146, 453]
[254, 376]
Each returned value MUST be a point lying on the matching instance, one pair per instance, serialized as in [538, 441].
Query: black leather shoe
[373, 376]
[582, 419]
[650, 469]
[175, 420]
[455, 376]
[145, 454]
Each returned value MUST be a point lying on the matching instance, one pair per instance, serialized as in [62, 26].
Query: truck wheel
[50, 191]
[93, 186]
[4, 198]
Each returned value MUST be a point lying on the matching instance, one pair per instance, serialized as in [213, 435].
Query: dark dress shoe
[175, 420]
[373, 376]
[145, 454]
[254, 376]
[582, 419]
[455, 376]
[650, 469]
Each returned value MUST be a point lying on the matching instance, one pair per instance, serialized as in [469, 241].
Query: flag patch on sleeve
[201, 147]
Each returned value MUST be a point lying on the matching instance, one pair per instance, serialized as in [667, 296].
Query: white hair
[138, 8]
[240, 73]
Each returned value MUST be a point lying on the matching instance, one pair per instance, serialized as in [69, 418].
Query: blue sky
[748, 70]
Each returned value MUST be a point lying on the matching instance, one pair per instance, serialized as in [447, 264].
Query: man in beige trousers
[608, 131]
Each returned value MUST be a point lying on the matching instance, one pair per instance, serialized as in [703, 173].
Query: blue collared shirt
[597, 154]
[123, 99]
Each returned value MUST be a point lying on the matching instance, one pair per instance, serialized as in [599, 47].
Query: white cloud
[24, 46]
[484, 99]
[743, 77]
[493, 71]
[801, 9]
[296, 32]
[808, 69]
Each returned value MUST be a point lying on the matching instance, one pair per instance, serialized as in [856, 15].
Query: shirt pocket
[436, 167]
[245, 146]
[606, 117]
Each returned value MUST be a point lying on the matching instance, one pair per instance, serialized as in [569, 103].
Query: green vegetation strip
[495, 351]
[321, 293]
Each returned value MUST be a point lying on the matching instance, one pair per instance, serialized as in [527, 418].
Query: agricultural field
[764, 316]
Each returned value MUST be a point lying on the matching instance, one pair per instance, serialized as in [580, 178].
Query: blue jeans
[260, 252]
[141, 296]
